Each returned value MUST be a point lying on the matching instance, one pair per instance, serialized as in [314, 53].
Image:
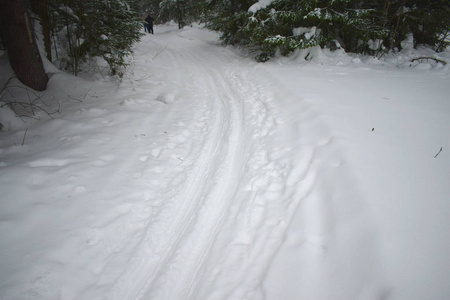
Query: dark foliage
[356, 26]
[83, 29]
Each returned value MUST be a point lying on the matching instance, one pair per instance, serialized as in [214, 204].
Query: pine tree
[228, 17]
[286, 25]
[359, 26]
[428, 20]
[95, 28]
[184, 12]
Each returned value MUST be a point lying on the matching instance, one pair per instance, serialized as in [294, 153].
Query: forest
[98, 34]
[257, 150]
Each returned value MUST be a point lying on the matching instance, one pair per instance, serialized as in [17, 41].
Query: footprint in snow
[79, 189]
[156, 152]
[165, 98]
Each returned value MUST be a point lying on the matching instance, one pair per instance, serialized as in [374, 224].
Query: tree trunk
[180, 14]
[40, 8]
[21, 46]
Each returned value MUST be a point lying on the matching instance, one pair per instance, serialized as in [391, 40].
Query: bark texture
[21, 45]
[40, 7]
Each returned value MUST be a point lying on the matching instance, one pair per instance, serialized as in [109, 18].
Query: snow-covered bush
[270, 27]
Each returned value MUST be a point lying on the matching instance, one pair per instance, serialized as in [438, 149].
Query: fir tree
[428, 21]
[358, 26]
[85, 29]
[184, 12]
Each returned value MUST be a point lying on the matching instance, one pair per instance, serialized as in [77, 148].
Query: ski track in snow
[202, 202]
[236, 120]
[215, 235]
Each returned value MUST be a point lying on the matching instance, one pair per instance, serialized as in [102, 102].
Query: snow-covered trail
[259, 176]
[227, 220]
[184, 183]
[170, 187]
[209, 176]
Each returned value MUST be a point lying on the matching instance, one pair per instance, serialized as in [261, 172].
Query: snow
[261, 4]
[308, 32]
[206, 175]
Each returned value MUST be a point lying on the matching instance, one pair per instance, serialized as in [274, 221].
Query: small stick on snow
[25, 134]
[160, 51]
[438, 153]
[432, 58]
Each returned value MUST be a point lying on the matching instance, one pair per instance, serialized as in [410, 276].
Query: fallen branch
[25, 134]
[145, 77]
[432, 58]
[160, 51]
[438, 153]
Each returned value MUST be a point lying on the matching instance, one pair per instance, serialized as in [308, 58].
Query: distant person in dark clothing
[148, 25]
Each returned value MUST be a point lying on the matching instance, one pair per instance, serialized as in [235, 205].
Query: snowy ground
[206, 175]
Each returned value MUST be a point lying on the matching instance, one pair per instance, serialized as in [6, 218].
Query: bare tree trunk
[21, 46]
[40, 8]
[180, 14]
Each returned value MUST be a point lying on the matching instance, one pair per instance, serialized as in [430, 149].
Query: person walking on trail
[148, 25]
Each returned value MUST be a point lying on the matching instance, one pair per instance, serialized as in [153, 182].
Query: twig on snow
[438, 153]
[160, 51]
[24, 135]
[432, 58]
